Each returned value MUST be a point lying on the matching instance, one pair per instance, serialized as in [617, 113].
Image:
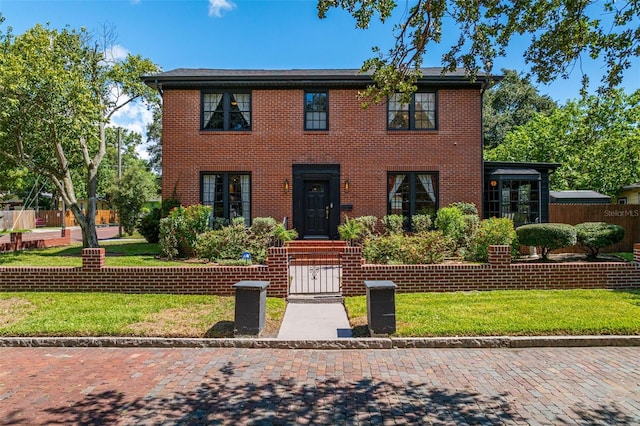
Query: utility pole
[119, 176]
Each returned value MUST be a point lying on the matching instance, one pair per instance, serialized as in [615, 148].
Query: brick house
[296, 144]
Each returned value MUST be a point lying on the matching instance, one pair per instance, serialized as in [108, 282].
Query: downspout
[483, 88]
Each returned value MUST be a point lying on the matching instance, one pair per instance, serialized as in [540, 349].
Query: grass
[625, 255]
[516, 312]
[111, 314]
[126, 252]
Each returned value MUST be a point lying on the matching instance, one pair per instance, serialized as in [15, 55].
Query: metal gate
[315, 273]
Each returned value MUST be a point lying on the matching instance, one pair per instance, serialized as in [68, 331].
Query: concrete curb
[346, 343]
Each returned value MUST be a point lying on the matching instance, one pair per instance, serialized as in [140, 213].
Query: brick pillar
[499, 255]
[92, 258]
[278, 263]
[352, 280]
[636, 252]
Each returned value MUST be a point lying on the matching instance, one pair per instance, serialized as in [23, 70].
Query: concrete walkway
[314, 321]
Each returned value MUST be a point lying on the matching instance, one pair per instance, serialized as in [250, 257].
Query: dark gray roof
[181, 77]
[579, 196]
[632, 186]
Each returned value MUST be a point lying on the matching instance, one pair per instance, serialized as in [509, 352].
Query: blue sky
[254, 34]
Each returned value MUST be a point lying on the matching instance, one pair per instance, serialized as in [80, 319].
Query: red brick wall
[357, 139]
[499, 275]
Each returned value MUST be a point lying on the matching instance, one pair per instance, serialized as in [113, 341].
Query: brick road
[272, 386]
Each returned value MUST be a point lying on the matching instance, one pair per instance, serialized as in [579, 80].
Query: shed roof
[579, 197]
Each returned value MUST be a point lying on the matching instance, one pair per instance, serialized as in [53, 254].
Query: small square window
[226, 111]
[418, 114]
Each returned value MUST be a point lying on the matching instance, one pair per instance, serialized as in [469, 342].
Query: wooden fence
[54, 217]
[625, 215]
[17, 219]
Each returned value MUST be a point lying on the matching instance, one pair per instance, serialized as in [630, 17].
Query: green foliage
[565, 34]
[450, 220]
[493, 231]
[596, 140]
[511, 103]
[168, 204]
[149, 226]
[369, 226]
[592, 236]
[350, 230]
[130, 192]
[424, 248]
[547, 236]
[465, 208]
[179, 231]
[393, 224]
[420, 223]
[56, 88]
[228, 243]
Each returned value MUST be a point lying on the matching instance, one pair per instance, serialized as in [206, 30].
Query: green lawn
[548, 312]
[109, 314]
[118, 253]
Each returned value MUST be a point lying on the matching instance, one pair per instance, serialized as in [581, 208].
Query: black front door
[316, 208]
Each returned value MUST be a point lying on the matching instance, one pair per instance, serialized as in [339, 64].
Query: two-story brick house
[296, 144]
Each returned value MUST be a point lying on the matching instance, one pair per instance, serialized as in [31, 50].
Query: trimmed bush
[179, 231]
[393, 224]
[420, 223]
[424, 248]
[369, 226]
[493, 231]
[350, 231]
[450, 220]
[547, 236]
[465, 208]
[149, 226]
[592, 236]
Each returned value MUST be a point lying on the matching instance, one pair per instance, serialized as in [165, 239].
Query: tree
[596, 140]
[512, 102]
[561, 33]
[59, 90]
[131, 191]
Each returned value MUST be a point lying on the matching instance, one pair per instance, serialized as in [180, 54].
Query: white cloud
[135, 117]
[116, 53]
[216, 7]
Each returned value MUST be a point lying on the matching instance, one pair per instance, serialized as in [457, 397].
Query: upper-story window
[419, 114]
[226, 111]
[316, 110]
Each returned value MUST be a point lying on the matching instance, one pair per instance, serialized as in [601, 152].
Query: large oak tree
[559, 34]
[59, 90]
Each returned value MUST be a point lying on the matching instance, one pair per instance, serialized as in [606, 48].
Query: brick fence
[498, 274]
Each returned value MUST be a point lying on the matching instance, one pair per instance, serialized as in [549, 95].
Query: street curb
[504, 342]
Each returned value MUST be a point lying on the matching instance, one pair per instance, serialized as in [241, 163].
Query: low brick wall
[498, 274]
[17, 242]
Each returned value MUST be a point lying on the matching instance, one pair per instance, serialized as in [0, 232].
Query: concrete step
[316, 298]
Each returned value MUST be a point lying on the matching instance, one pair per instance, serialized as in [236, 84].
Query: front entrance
[316, 201]
[316, 208]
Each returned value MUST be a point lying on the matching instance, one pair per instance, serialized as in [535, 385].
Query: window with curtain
[226, 111]
[411, 193]
[419, 114]
[316, 111]
[229, 195]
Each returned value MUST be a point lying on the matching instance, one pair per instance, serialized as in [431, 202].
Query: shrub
[451, 222]
[393, 224]
[425, 248]
[350, 231]
[420, 223]
[592, 236]
[466, 208]
[547, 236]
[227, 243]
[494, 231]
[149, 226]
[369, 226]
[184, 224]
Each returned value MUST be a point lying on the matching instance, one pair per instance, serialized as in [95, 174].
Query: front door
[316, 208]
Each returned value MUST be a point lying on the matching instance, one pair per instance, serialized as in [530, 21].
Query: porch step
[316, 246]
[316, 298]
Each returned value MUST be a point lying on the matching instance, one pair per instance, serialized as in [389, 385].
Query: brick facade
[499, 274]
[357, 140]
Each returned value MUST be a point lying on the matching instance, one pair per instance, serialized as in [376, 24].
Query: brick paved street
[273, 386]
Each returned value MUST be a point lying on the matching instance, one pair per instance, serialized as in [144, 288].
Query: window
[411, 193]
[226, 111]
[316, 111]
[516, 199]
[229, 194]
[622, 200]
[419, 114]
